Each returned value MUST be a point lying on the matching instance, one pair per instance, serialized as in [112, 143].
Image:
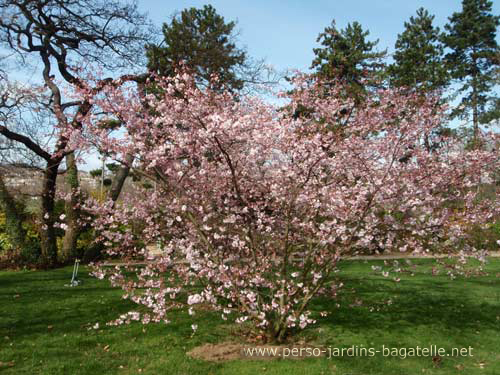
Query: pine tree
[418, 59]
[203, 41]
[473, 59]
[349, 56]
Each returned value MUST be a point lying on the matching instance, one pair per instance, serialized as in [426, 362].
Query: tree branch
[25, 141]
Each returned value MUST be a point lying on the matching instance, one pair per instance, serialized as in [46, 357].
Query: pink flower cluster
[255, 205]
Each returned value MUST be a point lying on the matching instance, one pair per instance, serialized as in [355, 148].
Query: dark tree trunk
[48, 235]
[475, 122]
[69, 250]
[475, 106]
[120, 177]
[124, 170]
[13, 218]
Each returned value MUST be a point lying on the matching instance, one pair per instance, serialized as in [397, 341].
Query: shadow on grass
[449, 304]
[423, 308]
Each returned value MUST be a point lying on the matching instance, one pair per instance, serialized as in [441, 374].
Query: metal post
[74, 278]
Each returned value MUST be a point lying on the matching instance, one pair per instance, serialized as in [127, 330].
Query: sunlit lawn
[44, 328]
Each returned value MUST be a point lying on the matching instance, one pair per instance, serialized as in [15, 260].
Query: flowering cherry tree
[254, 206]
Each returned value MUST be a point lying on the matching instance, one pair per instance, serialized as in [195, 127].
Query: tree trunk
[48, 235]
[475, 105]
[120, 177]
[13, 218]
[123, 172]
[475, 122]
[69, 249]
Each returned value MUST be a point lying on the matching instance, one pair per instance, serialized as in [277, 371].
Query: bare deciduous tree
[65, 36]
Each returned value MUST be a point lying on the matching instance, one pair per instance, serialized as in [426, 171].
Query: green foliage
[96, 173]
[5, 243]
[14, 216]
[29, 253]
[485, 238]
[418, 58]
[474, 60]
[13, 235]
[72, 177]
[349, 56]
[87, 250]
[110, 124]
[203, 42]
[112, 167]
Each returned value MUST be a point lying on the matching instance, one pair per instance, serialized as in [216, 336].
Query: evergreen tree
[203, 41]
[349, 56]
[473, 60]
[418, 59]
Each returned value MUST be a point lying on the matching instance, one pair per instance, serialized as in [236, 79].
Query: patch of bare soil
[228, 351]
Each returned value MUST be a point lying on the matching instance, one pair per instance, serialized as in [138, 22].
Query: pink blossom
[273, 195]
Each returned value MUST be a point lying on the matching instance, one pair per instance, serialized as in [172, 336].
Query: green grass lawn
[44, 328]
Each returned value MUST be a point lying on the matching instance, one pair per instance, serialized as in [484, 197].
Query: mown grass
[44, 328]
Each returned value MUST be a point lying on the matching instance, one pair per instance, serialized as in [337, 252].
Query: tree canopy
[418, 58]
[473, 60]
[348, 55]
[204, 42]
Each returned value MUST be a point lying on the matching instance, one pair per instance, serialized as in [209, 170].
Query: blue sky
[285, 32]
